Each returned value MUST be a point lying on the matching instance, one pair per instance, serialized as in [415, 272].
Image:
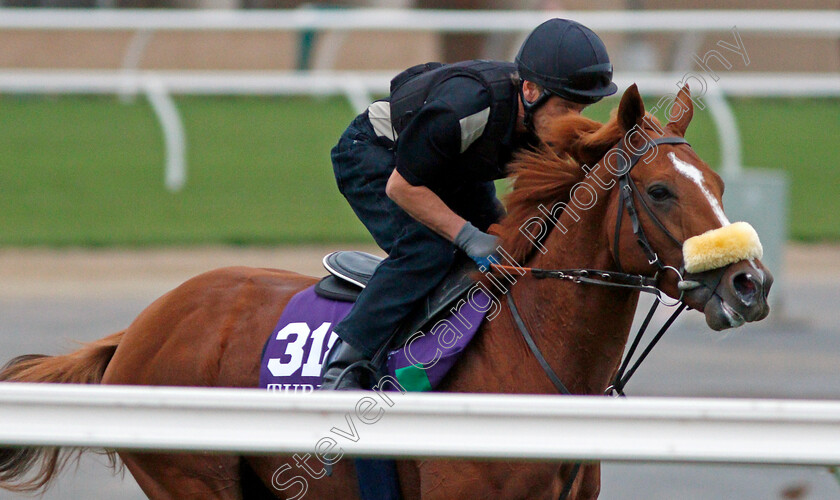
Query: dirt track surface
[79, 272]
[74, 272]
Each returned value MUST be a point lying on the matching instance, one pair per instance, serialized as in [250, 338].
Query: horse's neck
[580, 329]
[583, 328]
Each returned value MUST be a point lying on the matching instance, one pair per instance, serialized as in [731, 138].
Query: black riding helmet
[567, 59]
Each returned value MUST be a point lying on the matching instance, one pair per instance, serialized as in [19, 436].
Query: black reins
[629, 192]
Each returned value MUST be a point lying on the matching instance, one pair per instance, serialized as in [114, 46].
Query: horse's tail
[83, 366]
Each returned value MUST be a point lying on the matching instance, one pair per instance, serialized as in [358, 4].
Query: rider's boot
[340, 357]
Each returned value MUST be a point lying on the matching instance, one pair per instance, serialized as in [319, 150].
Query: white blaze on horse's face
[695, 175]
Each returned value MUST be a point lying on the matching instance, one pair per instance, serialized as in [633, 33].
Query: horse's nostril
[746, 286]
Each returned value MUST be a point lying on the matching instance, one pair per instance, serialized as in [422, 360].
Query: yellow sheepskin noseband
[721, 247]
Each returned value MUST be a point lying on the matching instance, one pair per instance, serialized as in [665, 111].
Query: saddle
[350, 272]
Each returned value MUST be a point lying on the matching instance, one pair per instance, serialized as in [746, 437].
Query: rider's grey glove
[481, 247]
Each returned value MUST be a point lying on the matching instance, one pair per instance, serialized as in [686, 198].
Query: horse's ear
[632, 109]
[679, 116]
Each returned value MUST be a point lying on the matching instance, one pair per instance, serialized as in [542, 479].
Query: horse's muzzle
[733, 295]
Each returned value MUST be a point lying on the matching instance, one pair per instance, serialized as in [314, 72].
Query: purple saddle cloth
[293, 355]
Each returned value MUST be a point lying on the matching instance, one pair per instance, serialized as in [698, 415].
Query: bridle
[619, 279]
[628, 193]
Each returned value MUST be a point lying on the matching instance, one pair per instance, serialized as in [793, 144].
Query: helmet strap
[531, 107]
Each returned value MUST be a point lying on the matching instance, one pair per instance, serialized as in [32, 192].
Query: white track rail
[424, 425]
[359, 87]
[374, 82]
[819, 23]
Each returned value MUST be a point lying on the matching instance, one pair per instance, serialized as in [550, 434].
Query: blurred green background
[88, 171]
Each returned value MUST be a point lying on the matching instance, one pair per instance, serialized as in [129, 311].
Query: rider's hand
[480, 247]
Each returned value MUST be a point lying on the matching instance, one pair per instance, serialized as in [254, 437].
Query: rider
[418, 168]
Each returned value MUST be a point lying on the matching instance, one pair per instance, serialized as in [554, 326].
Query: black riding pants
[418, 258]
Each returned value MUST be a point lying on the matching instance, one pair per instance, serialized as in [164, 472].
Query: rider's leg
[477, 202]
[341, 356]
[418, 258]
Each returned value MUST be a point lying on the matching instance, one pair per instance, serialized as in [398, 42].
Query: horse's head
[677, 199]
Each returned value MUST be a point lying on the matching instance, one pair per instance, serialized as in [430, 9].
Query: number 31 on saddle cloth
[439, 331]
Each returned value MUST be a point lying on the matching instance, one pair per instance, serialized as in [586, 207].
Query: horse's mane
[546, 174]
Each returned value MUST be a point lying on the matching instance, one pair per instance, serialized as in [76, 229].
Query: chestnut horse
[210, 330]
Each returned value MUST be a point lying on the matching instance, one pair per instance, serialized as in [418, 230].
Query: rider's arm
[428, 159]
[424, 205]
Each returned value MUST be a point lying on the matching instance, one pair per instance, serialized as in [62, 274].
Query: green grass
[801, 138]
[89, 170]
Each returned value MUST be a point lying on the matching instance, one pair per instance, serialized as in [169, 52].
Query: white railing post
[726, 125]
[357, 93]
[173, 132]
[131, 63]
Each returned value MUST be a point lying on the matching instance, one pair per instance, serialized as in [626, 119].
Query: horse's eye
[659, 193]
